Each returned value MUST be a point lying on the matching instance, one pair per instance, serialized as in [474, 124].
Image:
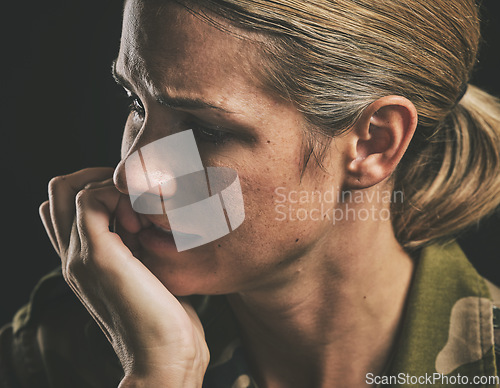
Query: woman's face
[166, 51]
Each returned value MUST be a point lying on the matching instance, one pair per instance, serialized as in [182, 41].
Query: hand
[158, 338]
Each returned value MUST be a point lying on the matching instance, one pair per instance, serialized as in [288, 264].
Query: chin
[189, 277]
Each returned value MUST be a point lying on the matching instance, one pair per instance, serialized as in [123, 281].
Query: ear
[378, 141]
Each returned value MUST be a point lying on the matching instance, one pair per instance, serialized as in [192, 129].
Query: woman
[358, 146]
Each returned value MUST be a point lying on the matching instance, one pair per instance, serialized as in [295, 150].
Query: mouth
[158, 222]
[161, 224]
[161, 228]
[158, 236]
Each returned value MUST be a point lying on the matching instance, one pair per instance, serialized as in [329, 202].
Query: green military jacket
[447, 336]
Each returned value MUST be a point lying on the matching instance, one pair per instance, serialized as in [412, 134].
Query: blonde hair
[333, 58]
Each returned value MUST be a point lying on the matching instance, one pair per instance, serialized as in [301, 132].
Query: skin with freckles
[183, 59]
[309, 295]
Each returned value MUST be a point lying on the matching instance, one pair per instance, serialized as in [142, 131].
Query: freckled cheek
[260, 211]
[263, 239]
[257, 194]
[270, 213]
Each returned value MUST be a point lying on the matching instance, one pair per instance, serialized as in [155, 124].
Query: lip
[158, 236]
[159, 221]
[157, 239]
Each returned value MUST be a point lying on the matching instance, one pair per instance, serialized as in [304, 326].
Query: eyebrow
[168, 101]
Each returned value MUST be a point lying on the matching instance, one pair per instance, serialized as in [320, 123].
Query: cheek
[266, 237]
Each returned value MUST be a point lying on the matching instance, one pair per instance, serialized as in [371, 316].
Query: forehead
[164, 43]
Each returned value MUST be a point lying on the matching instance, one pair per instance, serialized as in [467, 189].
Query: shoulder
[53, 341]
[449, 320]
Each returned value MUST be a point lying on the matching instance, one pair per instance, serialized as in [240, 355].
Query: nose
[146, 178]
[151, 171]
[144, 170]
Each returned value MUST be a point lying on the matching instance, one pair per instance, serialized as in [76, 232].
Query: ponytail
[452, 180]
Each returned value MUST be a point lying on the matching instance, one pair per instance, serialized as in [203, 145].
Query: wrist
[173, 380]
[173, 376]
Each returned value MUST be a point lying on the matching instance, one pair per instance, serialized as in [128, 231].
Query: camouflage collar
[447, 328]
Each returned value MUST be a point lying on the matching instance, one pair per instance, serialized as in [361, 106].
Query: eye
[210, 134]
[135, 105]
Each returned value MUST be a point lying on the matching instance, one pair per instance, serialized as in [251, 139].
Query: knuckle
[82, 197]
[43, 208]
[79, 267]
[55, 182]
[74, 267]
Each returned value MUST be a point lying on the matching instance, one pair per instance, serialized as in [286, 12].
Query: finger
[95, 210]
[78, 281]
[62, 192]
[44, 212]
[120, 280]
[108, 254]
[126, 217]
[127, 224]
[97, 185]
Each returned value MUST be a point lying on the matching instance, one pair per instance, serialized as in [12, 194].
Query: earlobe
[379, 140]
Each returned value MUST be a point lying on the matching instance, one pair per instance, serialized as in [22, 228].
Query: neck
[336, 318]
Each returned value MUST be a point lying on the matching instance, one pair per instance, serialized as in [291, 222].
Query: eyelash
[202, 132]
[135, 106]
[209, 135]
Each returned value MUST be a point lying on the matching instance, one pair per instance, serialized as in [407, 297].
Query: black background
[61, 112]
